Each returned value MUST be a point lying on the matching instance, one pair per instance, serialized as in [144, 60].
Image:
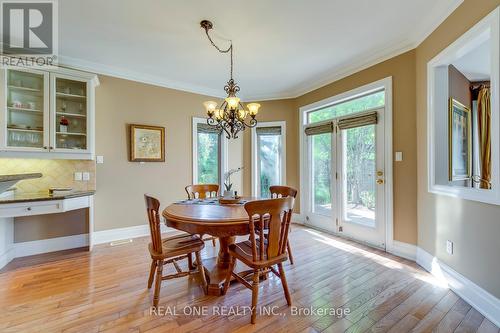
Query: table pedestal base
[216, 275]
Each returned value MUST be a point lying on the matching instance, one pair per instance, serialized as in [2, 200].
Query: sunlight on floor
[389, 263]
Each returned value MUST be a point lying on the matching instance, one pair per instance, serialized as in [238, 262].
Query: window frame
[437, 96]
[223, 149]
[255, 154]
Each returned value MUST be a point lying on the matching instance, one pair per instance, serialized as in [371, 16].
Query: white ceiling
[283, 48]
[476, 64]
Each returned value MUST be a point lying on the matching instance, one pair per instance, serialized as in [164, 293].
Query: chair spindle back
[278, 191]
[202, 190]
[276, 215]
[153, 208]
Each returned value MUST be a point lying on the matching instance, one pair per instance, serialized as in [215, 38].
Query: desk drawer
[31, 208]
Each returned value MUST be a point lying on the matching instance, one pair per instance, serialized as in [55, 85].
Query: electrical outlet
[86, 176]
[449, 247]
[78, 176]
[99, 159]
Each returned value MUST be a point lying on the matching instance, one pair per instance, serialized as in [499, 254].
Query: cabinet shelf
[71, 133]
[12, 108]
[71, 114]
[24, 129]
[24, 88]
[71, 96]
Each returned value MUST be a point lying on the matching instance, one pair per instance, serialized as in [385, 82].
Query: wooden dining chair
[278, 191]
[169, 250]
[203, 191]
[262, 253]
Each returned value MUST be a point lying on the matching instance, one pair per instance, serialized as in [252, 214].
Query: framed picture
[147, 143]
[459, 141]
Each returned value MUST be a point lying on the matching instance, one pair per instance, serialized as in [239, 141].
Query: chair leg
[255, 294]
[289, 250]
[190, 262]
[152, 273]
[213, 242]
[201, 270]
[284, 284]
[228, 275]
[159, 273]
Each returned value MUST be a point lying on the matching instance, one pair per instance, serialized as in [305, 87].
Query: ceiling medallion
[231, 116]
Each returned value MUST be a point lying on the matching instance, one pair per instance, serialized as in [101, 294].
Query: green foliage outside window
[208, 158]
[360, 152]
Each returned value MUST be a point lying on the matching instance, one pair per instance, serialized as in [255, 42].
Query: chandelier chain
[229, 49]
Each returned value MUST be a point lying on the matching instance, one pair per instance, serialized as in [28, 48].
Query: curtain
[319, 129]
[206, 128]
[357, 120]
[273, 130]
[484, 126]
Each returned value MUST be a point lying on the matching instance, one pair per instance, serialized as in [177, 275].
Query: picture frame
[147, 143]
[459, 141]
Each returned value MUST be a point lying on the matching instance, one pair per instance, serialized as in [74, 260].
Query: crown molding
[127, 74]
[428, 25]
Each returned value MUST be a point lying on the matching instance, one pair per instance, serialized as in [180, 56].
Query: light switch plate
[449, 247]
[398, 156]
[78, 176]
[99, 159]
[86, 176]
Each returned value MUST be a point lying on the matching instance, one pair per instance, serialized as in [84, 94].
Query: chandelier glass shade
[230, 116]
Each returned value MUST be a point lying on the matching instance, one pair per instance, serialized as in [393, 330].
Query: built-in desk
[39, 203]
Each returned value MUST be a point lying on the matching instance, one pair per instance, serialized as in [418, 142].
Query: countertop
[42, 196]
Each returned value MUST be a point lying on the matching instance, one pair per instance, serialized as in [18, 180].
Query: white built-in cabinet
[47, 113]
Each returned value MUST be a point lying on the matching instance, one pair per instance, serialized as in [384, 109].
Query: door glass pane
[359, 191]
[208, 155]
[321, 158]
[359, 104]
[270, 162]
[24, 109]
[71, 114]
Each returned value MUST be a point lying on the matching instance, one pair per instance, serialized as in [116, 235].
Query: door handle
[380, 181]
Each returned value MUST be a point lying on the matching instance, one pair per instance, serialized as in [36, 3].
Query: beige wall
[473, 227]
[402, 70]
[121, 184]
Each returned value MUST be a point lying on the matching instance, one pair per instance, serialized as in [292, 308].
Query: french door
[345, 181]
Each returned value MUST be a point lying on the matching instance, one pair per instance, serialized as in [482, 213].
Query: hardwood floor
[96, 292]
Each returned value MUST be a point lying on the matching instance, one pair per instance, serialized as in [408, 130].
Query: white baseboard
[24, 249]
[112, 235]
[401, 249]
[7, 257]
[484, 302]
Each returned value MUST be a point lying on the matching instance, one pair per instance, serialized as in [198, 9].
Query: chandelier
[231, 116]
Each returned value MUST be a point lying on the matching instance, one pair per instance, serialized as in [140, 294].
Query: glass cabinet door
[70, 120]
[26, 110]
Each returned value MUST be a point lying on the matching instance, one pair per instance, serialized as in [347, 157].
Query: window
[357, 104]
[268, 157]
[463, 118]
[209, 149]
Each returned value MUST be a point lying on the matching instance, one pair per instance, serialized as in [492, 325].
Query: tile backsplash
[56, 173]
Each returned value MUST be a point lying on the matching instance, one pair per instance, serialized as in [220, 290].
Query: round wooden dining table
[222, 221]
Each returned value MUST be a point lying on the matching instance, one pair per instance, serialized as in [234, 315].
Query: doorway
[344, 166]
